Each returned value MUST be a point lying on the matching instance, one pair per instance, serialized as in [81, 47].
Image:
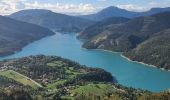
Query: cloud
[132, 7]
[63, 8]
[166, 3]
[149, 5]
[10, 6]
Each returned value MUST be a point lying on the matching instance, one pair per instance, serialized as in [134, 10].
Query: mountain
[126, 36]
[15, 34]
[154, 11]
[51, 20]
[96, 28]
[154, 51]
[118, 12]
[108, 13]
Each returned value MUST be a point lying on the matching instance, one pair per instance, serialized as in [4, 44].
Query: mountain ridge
[52, 20]
[113, 11]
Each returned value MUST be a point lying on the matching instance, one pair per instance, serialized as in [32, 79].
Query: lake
[128, 73]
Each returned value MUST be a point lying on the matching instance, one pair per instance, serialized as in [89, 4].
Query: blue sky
[105, 3]
[79, 6]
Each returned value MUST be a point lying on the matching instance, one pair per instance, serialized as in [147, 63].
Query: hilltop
[52, 20]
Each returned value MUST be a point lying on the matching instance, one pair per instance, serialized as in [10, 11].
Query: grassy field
[56, 64]
[68, 70]
[71, 73]
[52, 86]
[19, 78]
[94, 89]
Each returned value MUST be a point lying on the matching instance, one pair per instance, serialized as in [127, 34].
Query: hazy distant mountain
[30, 13]
[15, 34]
[108, 13]
[51, 20]
[154, 11]
[126, 36]
[118, 12]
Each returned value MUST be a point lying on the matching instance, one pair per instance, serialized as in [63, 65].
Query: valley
[113, 54]
[127, 73]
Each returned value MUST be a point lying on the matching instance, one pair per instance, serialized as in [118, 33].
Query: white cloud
[149, 5]
[132, 7]
[10, 6]
[66, 8]
[166, 3]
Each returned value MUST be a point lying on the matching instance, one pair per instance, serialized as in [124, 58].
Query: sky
[79, 6]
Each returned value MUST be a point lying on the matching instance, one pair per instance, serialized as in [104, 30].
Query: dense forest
[154, 51]
[100, 26]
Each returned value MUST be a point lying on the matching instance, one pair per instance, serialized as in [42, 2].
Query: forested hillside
[126, 36]
[154, 51]
[100, 26]
[15, 34]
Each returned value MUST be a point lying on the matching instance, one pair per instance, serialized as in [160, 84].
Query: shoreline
[150, 65]
[102, 50]
[23, 46]
[138, 61]
[153, 66]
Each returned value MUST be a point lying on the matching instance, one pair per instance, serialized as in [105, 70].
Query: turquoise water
[127, 73]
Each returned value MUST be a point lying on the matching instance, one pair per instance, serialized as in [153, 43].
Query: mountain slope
[15, 34]
[118, 12]
[51, 20]
[155, 51]
[128, 35]
[96, 28]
